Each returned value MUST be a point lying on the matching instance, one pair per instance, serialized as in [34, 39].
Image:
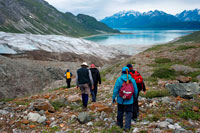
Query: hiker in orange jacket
[68, 75]
[140, 85]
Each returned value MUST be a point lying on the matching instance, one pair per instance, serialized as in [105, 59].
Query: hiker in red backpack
[141, 86]
[96, 79]
[125, 90]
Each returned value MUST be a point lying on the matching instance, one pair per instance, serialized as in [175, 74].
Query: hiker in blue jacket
[124, 105]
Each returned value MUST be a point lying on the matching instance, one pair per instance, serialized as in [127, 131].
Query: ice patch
[6, 50]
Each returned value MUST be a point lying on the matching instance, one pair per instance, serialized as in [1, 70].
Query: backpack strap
[127, 76]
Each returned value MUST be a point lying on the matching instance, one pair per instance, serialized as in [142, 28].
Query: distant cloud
[102, 8]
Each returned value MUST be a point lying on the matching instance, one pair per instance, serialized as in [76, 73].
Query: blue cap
[124, 69]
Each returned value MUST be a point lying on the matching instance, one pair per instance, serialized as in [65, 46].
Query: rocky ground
[60, 110]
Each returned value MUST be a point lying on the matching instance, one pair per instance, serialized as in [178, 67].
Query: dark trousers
[94, 93]
[128, 109]
[85, 99]
[135, 104]
[68, 82]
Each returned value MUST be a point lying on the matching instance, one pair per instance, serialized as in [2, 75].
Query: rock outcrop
[184, 90]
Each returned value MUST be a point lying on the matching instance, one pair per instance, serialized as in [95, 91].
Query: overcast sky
[102, 8]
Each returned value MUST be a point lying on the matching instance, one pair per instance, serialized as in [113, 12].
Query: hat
[84, 64]
[92, 66]
[124, 69]
[130, 66]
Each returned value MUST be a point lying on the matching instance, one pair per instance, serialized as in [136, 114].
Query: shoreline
[103, 34]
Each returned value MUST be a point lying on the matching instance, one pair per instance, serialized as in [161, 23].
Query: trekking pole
[127, 76]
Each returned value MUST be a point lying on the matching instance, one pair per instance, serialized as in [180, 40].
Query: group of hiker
[87, 80]
[127, 88]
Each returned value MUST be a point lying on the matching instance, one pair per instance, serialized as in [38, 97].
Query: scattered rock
[163, 124]
[41, 112]
[24, 121]
[105, 109]
[32, 126]
[41, 119]
[177, 126]
[4, 112]
[48, 122]
[135, 130]
[195, 108]
[170, 126]
[84, 117]
[33, 116]
[170, 121]
[184, 90]
[183, 79]
[73, 117]
[43, 105]
[165, 100]
[90, 124]
[74, 98]
[162, 83]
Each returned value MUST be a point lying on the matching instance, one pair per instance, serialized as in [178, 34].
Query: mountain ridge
[153, 19]
[39, 17]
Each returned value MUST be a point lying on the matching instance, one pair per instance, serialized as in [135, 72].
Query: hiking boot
[84, 108]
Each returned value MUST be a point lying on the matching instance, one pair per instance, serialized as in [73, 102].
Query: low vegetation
[57, 104]
[184, 47]
[164, 73]
[156, 93]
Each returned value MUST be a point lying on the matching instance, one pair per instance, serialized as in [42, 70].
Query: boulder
[74, 98]
[183, 79]
[163, 124]
[84, 117]
[42, 105]
[4, 112]
[184, 90]
[41, 119]
[33, 116]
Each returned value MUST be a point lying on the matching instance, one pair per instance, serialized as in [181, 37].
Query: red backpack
[126, 90]
[136, 75]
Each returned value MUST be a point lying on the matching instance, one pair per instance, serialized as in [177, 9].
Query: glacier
[14, 43]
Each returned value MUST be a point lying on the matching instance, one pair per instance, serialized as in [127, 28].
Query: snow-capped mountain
[132, 19]
[11, 43]
[153, 19]
[189, 15]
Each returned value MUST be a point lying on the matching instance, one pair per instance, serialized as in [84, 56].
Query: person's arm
[65, 74]
[99, 77]
[71, 74]
[135, 87]
[77, 79]
[116, 89]
[143, 86]
[91, 79]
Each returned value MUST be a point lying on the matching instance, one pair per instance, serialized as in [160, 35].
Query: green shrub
[6, 99]
[186, 111]
[162, 60]
[57, 105]
[188, 114]
[113, 129]
[22, 103]
[184, 47]
[164, 73]
[156, 93]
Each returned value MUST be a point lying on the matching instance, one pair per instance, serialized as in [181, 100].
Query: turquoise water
[139, 37]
